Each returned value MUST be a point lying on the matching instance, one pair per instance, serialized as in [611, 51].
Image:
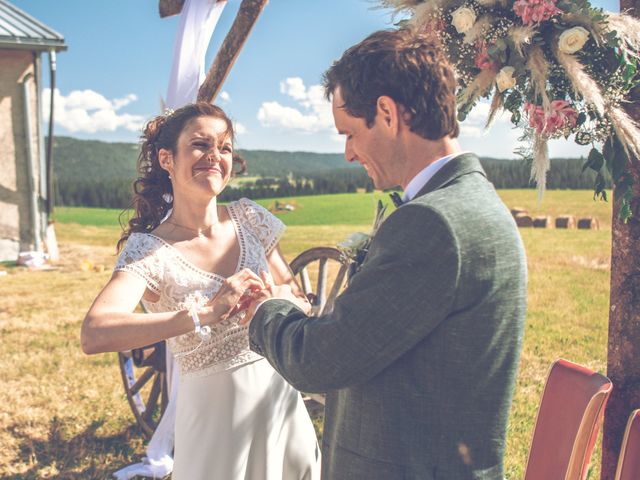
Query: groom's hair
[409, 67]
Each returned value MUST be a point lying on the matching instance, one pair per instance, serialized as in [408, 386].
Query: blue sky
[117, 66]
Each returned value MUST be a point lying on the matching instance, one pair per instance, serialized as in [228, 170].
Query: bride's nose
[213, 156]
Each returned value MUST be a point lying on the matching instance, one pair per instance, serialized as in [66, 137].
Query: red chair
[568, 421]
[629, 461]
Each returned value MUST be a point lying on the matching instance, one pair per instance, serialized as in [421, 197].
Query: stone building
[24, 164]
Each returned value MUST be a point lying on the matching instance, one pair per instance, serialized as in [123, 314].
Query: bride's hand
[233, 292]
[274, 291]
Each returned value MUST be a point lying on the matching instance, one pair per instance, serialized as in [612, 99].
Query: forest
[98, 174]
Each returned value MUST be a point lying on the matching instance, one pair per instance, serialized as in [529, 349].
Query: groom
[419, 356]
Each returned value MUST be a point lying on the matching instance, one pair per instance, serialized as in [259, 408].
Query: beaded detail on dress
[169, 274]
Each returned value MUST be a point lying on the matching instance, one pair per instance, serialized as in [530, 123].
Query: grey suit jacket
[419, 356]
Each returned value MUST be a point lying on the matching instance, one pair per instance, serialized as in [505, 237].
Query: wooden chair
[629, 461]
[568, 420]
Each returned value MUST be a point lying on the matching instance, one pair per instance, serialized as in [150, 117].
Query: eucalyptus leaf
[599, 187]
[595, 161]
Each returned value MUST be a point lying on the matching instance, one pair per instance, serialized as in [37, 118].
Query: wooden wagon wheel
[143, 373]
[322, 274]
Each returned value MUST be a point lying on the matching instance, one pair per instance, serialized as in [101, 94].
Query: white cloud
[294, 87]
[239, 128]
[474, 124]
[336, 137]
[90, 112]
[225, 97]
[118, 103]
[312, 115]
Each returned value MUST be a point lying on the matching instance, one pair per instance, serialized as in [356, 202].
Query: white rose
[463, 19]
[572, 40]
[505, 79]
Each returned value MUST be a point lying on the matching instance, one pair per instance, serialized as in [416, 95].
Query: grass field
[64, 415]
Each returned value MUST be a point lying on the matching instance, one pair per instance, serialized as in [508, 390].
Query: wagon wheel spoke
[152, 401]
[305, 281]
[322, 283]
[144, 378]
[335, 289]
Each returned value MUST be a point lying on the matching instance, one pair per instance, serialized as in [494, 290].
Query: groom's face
[370, 147]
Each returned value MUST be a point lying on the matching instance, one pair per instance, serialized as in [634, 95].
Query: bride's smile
[203, 158]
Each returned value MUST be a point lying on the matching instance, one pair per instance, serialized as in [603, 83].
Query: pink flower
[483, 60]
[534, 12]
[561, 116]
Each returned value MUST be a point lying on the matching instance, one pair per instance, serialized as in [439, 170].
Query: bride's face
[203, 159]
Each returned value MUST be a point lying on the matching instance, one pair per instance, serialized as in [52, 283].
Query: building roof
[19, 30]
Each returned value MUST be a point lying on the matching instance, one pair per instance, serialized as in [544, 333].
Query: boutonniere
[355, 247]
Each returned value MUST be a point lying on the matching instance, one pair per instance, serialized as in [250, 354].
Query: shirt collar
[421, 179]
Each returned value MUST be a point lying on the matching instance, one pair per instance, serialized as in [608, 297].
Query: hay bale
[515, 211]
[543, 222]
[566, 221]
[588, 223]
[524, 220]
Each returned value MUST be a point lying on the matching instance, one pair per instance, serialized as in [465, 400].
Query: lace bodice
[170, 275]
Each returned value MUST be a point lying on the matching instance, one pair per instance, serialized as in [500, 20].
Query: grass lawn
[64, 415]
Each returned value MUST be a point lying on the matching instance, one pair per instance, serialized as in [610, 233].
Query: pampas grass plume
[539, 68]
[541, 164]
[480, 85]
[496, 105]
[521, 36]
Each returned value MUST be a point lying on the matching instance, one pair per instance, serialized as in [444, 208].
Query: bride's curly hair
[152, 190]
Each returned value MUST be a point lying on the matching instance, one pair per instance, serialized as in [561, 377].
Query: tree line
[116, 193]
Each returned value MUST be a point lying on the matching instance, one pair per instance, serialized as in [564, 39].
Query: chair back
[568, 421]
[629, 461]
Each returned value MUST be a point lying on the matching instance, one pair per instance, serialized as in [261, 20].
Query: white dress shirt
[424, 175]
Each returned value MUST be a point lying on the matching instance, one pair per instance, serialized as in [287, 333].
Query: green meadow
[65, 415]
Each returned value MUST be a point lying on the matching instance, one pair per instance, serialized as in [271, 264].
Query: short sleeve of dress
[264, 224]
[140, 256]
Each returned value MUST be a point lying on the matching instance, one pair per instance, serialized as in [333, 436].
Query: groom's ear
[389, 112]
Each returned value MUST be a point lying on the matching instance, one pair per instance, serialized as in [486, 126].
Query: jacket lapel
[459, 166]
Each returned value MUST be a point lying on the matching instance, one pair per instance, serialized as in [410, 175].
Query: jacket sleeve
[404, 290]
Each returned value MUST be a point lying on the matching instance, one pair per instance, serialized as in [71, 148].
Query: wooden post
[168, 8]
[247, 16]
[623, 362]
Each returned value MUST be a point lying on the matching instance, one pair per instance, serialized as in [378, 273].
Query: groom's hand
[272, 291]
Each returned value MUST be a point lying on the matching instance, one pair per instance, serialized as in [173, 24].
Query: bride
[236, 418]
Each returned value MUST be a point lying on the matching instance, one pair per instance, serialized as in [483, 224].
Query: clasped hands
[244, 292]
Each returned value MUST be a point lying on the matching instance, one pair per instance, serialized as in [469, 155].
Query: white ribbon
[197, 23]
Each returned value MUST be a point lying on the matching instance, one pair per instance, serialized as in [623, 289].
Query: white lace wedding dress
[237, 419]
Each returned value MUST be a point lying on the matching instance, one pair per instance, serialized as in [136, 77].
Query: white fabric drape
[197, 23]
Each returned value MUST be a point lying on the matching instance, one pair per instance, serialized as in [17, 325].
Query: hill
[76, 159]
[98, 174]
